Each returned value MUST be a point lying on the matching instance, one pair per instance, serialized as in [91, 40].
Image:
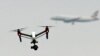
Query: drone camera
[35, 47]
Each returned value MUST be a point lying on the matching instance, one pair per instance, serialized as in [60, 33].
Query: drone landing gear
[35, 47]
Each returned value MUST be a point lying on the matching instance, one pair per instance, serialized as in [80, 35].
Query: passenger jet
[76, 19]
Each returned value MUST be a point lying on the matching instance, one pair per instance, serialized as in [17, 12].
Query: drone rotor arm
[39, 36]
[27, 37]
[40, 33]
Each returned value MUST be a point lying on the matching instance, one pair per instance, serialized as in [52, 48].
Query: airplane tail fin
[94, 16]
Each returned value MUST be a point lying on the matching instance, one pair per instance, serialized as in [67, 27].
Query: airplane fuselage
[76, 19]
[73, 20]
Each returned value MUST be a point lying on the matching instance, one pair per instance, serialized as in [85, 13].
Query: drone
[34, 41]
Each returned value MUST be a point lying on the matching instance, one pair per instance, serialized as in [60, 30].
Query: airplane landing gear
[35, 47]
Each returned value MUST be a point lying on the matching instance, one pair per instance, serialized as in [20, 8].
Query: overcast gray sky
[81, 39]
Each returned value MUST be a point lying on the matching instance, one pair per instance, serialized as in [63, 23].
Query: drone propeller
[46, 26]
[18, 32]
[47, 30]
[21, 29]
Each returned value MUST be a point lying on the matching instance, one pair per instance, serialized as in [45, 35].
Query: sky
[65, 39]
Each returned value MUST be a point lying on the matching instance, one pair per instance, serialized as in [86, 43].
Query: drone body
[34, 41]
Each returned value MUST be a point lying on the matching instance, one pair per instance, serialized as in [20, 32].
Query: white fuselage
[73, 20]
[76, 19]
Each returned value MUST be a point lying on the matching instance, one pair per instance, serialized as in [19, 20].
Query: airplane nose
[52, 18]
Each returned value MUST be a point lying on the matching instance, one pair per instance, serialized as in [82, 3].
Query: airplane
[77, 19]
[34, 41]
